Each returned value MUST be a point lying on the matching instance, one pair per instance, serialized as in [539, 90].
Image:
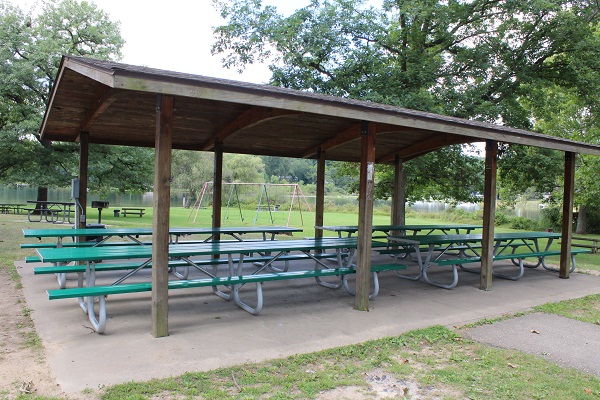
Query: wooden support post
[160, 224]
[399, 193]
[320, 196]
[489, 211]
[217, 187]
[84, 151]
[365, 216]
[567, 217]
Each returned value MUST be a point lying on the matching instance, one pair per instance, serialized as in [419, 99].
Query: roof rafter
[425, 146]
[251, 117]
[105, 97]
[346, 136]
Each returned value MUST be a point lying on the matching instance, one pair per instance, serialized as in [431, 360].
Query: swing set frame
[296, 195]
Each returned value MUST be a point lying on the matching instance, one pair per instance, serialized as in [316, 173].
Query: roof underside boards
[116, 104]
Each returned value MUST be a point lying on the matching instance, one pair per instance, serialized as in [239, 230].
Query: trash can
[94, 238]
[116, 213]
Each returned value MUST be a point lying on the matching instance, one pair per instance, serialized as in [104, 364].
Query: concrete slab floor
[206, 332]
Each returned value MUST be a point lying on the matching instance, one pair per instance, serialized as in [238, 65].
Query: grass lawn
[431, 363]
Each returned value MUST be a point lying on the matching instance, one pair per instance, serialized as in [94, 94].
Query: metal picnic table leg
[543, 260]
[87, 304]
[236, 290]
[419, 260]
[351, 290]
[29, 216]
[351, 254]
[426, 265]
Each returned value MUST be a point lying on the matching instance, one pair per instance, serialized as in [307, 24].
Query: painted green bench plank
[467, 260]
[80, 244]
[210, 248]
[405, 250]
[59, 269]
[93, 243]
[203, 282]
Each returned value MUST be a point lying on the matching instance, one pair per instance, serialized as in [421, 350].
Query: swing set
[295, 193]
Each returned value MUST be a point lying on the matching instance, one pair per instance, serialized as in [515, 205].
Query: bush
[524, 224]
[501, 218]
[551, 218]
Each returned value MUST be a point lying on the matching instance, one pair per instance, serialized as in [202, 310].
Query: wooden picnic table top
[386, 228]
[473, 237]
[67, 254]
[39, 233]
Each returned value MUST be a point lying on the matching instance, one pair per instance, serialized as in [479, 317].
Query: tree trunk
[42, 195]
[581, 221]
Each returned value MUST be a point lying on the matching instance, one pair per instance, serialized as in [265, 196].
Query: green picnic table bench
[271, 251]
[439, 245]
[133, 211]
[517, 259]
[232, 282]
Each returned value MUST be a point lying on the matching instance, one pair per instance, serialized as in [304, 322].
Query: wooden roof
[116, 104]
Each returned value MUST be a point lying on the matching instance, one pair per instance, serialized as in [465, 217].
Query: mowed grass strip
[430, 363]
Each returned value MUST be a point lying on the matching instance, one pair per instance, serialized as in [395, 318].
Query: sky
[176, 35]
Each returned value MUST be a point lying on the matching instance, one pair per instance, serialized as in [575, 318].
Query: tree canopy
[489, 60]
[31, 46]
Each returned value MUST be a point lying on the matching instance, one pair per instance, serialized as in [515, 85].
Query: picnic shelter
[112, 103]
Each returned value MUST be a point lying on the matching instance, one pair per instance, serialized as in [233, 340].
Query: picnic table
[102, 237]
[235, 253]
[350, 230]
[133, 210]
[133, 234]
[517, 246]
[6, 208]
[57, 212]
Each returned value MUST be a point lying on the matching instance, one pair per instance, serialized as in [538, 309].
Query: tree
[476, 59]
[243, 168]
[191, 169]
[290, 169]
[31, 46]
[564, 112]
[444, 178]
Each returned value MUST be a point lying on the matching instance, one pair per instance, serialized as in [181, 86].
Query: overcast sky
[176, 35]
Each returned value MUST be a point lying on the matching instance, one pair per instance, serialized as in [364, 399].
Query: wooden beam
[320, 195]
[217, 187]
[84, 152]
[567, 217]
[489, 211]
[365, 216]
[251, 117]
[160, 223]
[425, 146]
[105, 97]
[348, 135]
[399, 193]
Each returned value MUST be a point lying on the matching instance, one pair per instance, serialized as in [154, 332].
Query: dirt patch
[23, 369]
[382, 385]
